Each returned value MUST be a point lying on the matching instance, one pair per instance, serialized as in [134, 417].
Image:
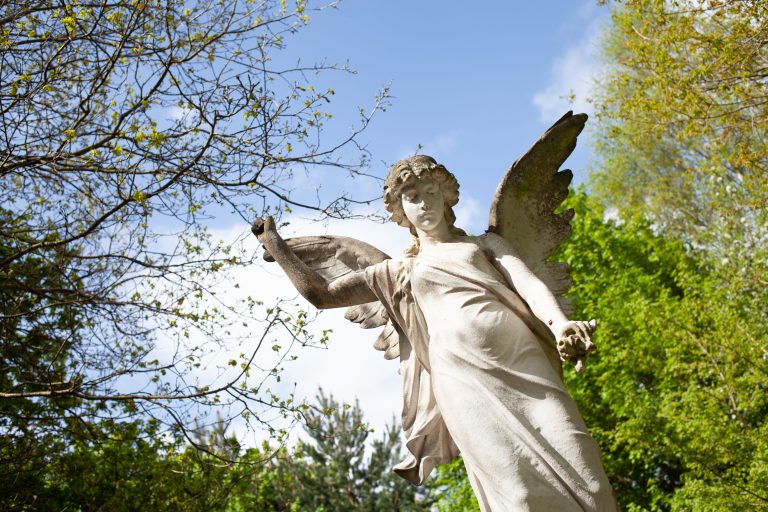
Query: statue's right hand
[264, 226]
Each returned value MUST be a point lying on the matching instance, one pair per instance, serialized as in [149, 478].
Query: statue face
[423, 204]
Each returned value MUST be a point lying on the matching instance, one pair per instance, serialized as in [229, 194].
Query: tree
[33, 341]
[339, 468]
[451, 489]
[676, 394]
[131, 466]
[683, 125]
[126, 127]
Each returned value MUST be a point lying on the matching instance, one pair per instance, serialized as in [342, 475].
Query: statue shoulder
[496, 244]
[393, 270]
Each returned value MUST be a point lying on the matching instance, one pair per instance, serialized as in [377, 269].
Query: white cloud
[442, 143]
[437, 147]
[573, 78]
[470, 217]
[177, 113]
[349, 368]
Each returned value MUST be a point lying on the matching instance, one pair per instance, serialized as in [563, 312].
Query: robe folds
[481, 377]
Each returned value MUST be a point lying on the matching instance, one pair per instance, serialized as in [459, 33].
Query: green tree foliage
[683, 125]
[339, 467]
[131, 466]
[451, 489]
[36, 331]
[126, 127]
[676, 396]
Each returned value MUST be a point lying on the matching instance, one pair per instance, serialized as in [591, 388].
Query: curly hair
[415, 168]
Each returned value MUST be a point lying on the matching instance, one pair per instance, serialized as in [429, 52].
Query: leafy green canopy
[683, 125]
[130, 466]
[339, 467]
[36, 332]
[451, 489]
[676, 396]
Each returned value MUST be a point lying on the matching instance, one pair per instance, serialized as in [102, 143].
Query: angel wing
[334, 256]
[523, 208]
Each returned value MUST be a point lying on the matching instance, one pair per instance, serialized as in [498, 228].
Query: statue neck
[440, 234]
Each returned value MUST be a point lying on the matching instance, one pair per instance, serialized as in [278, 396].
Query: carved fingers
[575, 342]
[263, 226]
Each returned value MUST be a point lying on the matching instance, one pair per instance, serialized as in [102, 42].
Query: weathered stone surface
[477, 325]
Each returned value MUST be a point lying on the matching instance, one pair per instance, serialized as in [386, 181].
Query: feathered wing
[334, 256]
[523, 208]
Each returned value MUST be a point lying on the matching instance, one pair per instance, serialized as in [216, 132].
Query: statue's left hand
[574, 342]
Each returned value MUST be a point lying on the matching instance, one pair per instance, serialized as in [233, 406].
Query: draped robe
[481, 377]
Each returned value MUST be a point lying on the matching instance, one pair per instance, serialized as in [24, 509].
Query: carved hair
[415, 168]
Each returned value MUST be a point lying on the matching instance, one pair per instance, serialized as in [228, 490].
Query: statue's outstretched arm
[347, 290]
[574, 338]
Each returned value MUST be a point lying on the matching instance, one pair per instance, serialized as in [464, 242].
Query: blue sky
[476, 87]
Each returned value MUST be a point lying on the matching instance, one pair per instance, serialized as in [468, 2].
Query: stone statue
[477, 326]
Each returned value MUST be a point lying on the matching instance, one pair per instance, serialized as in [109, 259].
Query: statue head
[417, 168]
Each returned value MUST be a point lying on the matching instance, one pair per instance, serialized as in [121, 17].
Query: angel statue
[477, 327]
